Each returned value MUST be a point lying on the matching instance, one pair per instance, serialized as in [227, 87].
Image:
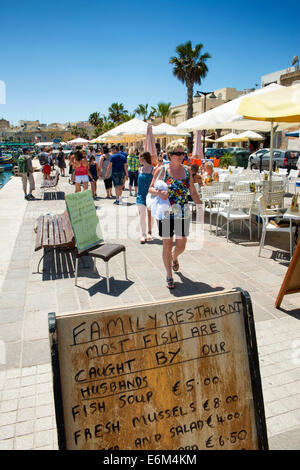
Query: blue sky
[61, 61]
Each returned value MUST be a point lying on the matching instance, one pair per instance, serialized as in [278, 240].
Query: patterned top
[133, 163]
[178, 189]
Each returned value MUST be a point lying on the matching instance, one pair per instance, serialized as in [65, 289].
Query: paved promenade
[210, 264]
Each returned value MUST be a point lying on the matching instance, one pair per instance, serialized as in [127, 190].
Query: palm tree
[105, 125]
[127, 117]
[95, 119]
[142, 110]
[164, 111]
[116, 111]
[190, 67]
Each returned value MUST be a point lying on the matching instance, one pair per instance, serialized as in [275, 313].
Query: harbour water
[5, 177]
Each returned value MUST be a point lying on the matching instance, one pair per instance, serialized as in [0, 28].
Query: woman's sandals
[175, 265]
[170, 283]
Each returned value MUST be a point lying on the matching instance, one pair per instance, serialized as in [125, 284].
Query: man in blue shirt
[119, 172]
[121, 151]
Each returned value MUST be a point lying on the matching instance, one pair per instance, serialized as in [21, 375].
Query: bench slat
[39, 234]
[67, 227]
[62, 235]
[56, 230]
[51, 241]
[45, 231]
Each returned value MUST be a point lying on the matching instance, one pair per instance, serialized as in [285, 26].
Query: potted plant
[227, 160]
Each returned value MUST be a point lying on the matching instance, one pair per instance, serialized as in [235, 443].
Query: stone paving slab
[209, 264]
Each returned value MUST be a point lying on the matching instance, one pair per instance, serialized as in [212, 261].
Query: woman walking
[71, 166]
[144, 180]
[133, 169]
[103, 164]
[61, 161]
[81, 172]
[177, 221]
[94, 170]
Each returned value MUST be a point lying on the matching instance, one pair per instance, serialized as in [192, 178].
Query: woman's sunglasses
[178, 154]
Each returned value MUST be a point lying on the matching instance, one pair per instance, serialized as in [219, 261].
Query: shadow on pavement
[54, 196]
[117, 286]
[60, 264]
[292, 313]
[189, 287]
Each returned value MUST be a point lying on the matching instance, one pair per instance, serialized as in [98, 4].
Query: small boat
[6, 158]
[6, 166]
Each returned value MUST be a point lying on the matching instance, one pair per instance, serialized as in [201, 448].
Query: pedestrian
[26, 173]
[176, 221]
[119, 173]
[298, 165]
[91, 152]
[81, 172]
[133, 169]
[196, 177]
[71, 165]
[209, 174]
[44, 159]
[160, 159]
[94, 170]
[145, 176]
[61, 161]
[103, 164]
[122, 151]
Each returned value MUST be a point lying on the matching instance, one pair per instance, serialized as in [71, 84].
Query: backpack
[22, 164]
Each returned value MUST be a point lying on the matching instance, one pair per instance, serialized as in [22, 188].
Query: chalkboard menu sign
[168, 375]
[84, 220]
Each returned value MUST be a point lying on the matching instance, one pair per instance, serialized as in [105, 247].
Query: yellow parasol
[281, 105]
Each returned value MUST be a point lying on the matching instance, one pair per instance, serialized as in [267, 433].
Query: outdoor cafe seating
[265, 215]
[235, 198]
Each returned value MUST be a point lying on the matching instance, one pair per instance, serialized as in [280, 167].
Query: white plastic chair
[242, 187]
[225, 186]
[292, 179]
[276, 185]
[265, 214]
[239, 208]
[275, 204]
[210, 205]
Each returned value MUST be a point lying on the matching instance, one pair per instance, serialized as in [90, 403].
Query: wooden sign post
[291, 282]
[168, 375]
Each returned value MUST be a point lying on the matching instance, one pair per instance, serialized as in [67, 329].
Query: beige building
[199, 105]
[4, 124]
[29, 124]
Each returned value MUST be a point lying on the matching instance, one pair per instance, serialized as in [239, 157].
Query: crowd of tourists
[163, 188]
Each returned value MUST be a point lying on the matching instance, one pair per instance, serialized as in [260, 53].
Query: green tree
[189, 66]
[80, 132]
[164, 111]
[143, 111]
[116, 111]
[105, 125]
[95, 119]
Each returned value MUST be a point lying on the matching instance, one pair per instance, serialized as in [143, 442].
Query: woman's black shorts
[108, 183]
[167, 228]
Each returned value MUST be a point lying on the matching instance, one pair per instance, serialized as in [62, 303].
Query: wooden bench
[50, 184]
[54, 231]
